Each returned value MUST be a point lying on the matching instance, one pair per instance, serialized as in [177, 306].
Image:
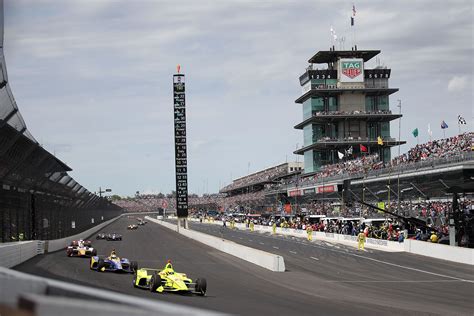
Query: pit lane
[330, 283]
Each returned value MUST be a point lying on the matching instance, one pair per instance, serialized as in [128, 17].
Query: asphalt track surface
[322, 279]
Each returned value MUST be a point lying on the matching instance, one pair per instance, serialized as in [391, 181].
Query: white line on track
[314, 258]
[276, 247]
[390, 281]
[293, 252]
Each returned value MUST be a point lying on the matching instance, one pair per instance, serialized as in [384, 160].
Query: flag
[415, 132]
[348, 151]
[333, 33]
[363, 148]
[461, 120]
[379, 140]
[353, 15]
[444, 125]
[341, 155]
[430, 132]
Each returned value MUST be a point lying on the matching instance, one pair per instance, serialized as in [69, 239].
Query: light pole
[106, 190]
[399, 145]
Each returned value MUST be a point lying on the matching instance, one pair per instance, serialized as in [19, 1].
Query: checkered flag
[461, 120]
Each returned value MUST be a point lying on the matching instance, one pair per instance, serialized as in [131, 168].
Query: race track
[322, 278]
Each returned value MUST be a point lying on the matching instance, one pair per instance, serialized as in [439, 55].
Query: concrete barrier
[261, 258]
[439, 251]
[42, 296]
[58, 244]
[423, 248]
[14, 253]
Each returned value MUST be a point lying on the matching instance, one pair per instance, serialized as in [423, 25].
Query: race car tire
[69, 252]
[155, 282]
[135, 279]
[134, 266]
[201, 286]
[100, 265]
[94, 252]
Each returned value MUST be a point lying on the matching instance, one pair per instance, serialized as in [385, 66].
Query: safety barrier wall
[58, 244]
[445, 252]
[439, 251]
[385, 245]
[51, 297]
[14, 253]
[261, 258]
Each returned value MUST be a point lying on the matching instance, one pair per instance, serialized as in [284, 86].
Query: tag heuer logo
[351, 69]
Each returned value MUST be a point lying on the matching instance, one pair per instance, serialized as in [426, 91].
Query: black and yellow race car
[167, 280]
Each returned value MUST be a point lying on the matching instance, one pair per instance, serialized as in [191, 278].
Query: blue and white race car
[113, 264]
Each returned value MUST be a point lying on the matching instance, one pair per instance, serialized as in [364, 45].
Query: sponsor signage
[181, 159]
[295, 193]
[309, 191]
[327, 188]
[351, 70]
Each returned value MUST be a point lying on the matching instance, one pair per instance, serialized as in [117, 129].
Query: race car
[113, 237]
[101, 236]
[167, 280]
[113, 263]
[130, 227]
[81, 248]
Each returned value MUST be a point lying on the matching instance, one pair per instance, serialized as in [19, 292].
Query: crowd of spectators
[259, 177]
[379, 226]
[322, 113]
[432, 150]
[440, 148]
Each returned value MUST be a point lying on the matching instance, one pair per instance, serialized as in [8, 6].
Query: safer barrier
[261, 258]
[423, 248]
[58, 244]
[42, 296]
[14, 253]
[445, 252]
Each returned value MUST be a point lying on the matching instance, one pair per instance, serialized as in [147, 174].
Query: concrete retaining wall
[58, 244]
[261, 258]
[445, 252]
[14, 253]
[439, 251]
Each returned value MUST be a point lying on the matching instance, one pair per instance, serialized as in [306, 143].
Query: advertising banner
[327, 188]
[351, 70]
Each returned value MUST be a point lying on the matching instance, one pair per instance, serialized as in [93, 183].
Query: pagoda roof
[327, 56]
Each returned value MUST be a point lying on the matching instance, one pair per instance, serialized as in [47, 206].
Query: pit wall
[261, 258]
[423, 248]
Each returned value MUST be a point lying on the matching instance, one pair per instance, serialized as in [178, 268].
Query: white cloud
[457, 83]
[96, 76]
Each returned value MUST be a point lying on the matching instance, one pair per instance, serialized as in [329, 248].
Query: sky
[93, 79]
